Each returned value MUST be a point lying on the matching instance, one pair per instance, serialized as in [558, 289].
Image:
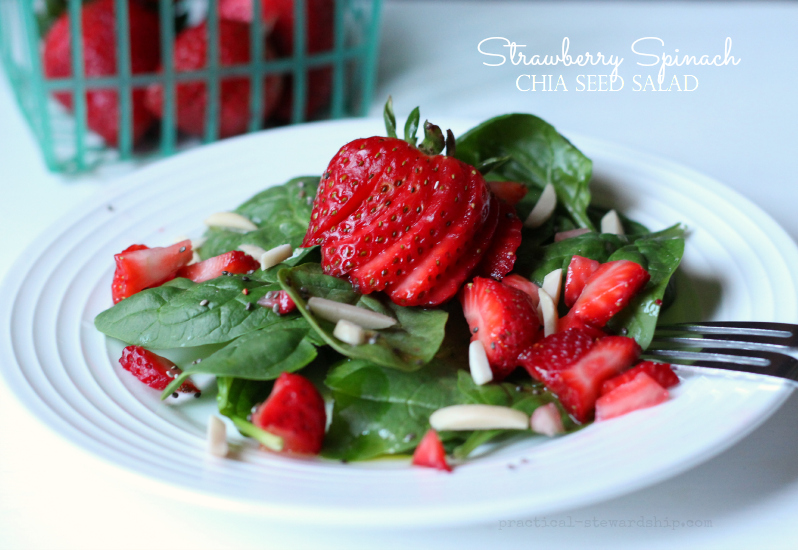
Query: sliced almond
[543, 209]
[349, 332]
[333, 311]
[216, 443]
[547, 312]
[478, 363]
[546, 420]
[195, 258]
[252, 250]
[276, 255]
[571, 233]
[230, 220]
[552, 284]
[611, 223]
[478, 417]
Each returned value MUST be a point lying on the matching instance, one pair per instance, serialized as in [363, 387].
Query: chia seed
[245, 279]
[248, 307]
[182, 249]
[409, 437]
[204, 303]
[198, 395]
[174, 395]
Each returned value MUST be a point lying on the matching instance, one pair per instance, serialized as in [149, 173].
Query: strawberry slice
[152, 369]
[295, 412]
[235, 262]
[662, 373]
[503, 319]
[640, 392]
[578, 384]
[609, 290]
[278, 299]
[139, 267]
[556, 352]
[500, 256]
[524, 285]
[510, 192]
[430, 452]
[571, 321]
[579, 271]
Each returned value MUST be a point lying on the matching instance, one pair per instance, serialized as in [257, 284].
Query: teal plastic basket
[67, 143]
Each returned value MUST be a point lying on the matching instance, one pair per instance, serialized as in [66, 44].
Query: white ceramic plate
[67, 374]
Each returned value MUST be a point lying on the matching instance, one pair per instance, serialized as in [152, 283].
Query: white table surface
[739, 127]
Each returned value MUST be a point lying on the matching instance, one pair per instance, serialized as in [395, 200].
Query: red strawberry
[500, 257]
[391, 217]
[235, 262]
[503, 319]
[155, 371]
[99, 59]
[295, 412]
[556, 352]
[608, 291]
[579, 271]
[640, 392]
[662, 373]
[571, 321]
[430, 452]
[139, 267]
[279, 299]
[525, 285]
[578, 384]
[190, 53]
[510, 192]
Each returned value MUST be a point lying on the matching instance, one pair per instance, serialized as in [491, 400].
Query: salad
[408, 301]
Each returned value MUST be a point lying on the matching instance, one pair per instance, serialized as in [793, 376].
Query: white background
[738, 127]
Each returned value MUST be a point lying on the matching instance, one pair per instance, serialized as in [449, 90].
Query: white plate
[67, 374]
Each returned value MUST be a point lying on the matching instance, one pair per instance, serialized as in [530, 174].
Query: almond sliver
[478, 417]
[543, 209]
[611, 223]
[547, 312]
[276, 255]
[349, 333]
[216, 443]
[552, 284]
[478, 363]
[230, 220]
[333, 311]
[546, 420]
[252, 250]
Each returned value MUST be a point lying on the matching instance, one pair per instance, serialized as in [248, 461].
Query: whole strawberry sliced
[99, 59]
[556, 352]
[139, 267]
[278, 300]
[430, 453]
[640, 392]
[500, 256]
[662, 373]
[235, 262]
[510, 192]
[295, 412]
[579, 271]
[191, 53]
[152, 369]
[503, 319]
[394, 217]
[608, 291]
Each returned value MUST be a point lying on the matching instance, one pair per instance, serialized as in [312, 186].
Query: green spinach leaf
[237, 398]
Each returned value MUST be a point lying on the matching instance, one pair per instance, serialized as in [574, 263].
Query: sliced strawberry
[510, 192]
[235, 262]
[640, 392]
[608, 291]
[503, 319]
[524, 285]
[579, 271]
[662, 373]
[295, 412]
[556, 352]
[155, 371]
[571, 321]
[578, 384]
[278, 299]
[500, 256]
[139, 267]
[430, 453]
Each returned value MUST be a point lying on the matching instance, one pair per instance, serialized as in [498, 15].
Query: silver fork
[769, 349]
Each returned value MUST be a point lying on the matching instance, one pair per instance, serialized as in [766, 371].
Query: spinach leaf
[596, 246]
[172, 315]
[236, 399]
[379, 410]
[538, 156]
[407, 346]
[281, 212]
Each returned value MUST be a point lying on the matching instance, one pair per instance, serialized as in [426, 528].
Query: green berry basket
[281, 62]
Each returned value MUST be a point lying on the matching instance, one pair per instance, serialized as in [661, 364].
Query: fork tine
[772, 336]
[750, 361]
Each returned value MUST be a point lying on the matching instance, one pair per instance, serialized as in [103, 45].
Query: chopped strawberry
[578, 384]
[524, 285]
[500, 256]
[579, 271]
[662, 373]
[640, 392]
[608, 291]
[430, 452]
[234, 262]
[510, 192]
[295, 412]
[571, 321]
[556, 352]
[155, 371]
[279, 299]
[139, 267]
[503, 319]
